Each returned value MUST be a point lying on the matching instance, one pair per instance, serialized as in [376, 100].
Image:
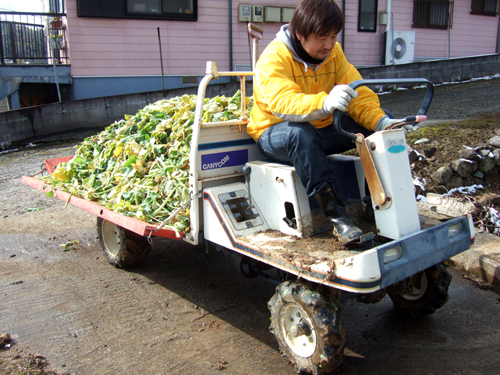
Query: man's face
[318, 47]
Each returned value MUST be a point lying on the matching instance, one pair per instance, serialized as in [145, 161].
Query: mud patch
[19, 361]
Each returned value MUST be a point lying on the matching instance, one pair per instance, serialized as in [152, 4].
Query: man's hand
[384, 122]
[339, 98]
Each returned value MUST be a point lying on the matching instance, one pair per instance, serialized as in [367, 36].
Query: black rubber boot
[333, 207]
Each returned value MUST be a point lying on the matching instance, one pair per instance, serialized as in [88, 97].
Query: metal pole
[55, 73]
[13, 42]
[1, 44]
[449, 42]
[161, 61]
[392, 39]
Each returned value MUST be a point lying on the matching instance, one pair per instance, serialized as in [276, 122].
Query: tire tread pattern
[326, 317]
[134, 249]
[435, 296]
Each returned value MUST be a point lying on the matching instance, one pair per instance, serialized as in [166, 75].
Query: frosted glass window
[367, 17]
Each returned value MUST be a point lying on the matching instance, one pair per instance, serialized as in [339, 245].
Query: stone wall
[471, 167]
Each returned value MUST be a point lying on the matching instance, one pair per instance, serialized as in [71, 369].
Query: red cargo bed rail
[130, 223]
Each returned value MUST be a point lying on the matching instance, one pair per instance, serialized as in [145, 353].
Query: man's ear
[299, 37]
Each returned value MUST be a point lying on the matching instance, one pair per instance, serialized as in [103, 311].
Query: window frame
[370, 30]
[423, 14]
[478, 8]
[118, 9]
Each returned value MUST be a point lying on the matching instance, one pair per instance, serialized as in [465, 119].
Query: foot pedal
[367, 239]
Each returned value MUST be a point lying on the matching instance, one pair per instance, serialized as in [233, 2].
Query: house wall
[127, 49]
[470, 34]
[362, 48]
[120, 47]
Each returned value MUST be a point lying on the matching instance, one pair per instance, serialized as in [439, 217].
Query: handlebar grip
[388, 81]
[429, 94]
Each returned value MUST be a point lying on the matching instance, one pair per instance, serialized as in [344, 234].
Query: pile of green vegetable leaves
[139, 166]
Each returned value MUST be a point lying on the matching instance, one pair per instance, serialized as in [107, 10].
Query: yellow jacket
[287, 89]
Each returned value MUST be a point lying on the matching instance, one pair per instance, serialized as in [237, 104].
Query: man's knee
[303, 132]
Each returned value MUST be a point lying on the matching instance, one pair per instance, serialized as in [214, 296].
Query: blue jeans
[305, 147]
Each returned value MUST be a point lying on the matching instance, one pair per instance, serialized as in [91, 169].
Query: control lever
[246, 172]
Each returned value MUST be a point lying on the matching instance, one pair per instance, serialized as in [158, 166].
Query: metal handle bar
[429, 94]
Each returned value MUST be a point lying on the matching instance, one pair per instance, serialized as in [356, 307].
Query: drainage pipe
[230, 35]
[498, 37]
[343, 29]
[389, 10]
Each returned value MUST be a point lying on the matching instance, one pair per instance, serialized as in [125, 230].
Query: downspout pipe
[389, 10]
[498, 36]
[343, 29]
[390, 25]
[230, 35]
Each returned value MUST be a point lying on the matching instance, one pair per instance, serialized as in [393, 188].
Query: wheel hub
[301, 328]
[111, 238]
[417, 287]
[298, 330]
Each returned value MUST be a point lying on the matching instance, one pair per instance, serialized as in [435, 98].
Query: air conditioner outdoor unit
[399, 47]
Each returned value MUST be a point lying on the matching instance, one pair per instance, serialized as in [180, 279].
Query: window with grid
[431, 14]
[484, 7]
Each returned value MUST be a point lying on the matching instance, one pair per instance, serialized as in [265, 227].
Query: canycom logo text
[223, 159]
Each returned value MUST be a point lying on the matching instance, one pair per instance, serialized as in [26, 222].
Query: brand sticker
[223, 159]
[396, 146]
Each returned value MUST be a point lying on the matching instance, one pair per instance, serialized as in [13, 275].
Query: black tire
[246, 266]
[307, 327]
[423, 293]
[122, 247]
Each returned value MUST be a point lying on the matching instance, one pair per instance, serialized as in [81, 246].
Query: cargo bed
[132, 224]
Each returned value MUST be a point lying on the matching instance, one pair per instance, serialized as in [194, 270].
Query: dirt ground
[169, 323]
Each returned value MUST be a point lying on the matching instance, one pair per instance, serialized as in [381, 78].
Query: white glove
[384, 122]
[339, 98]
